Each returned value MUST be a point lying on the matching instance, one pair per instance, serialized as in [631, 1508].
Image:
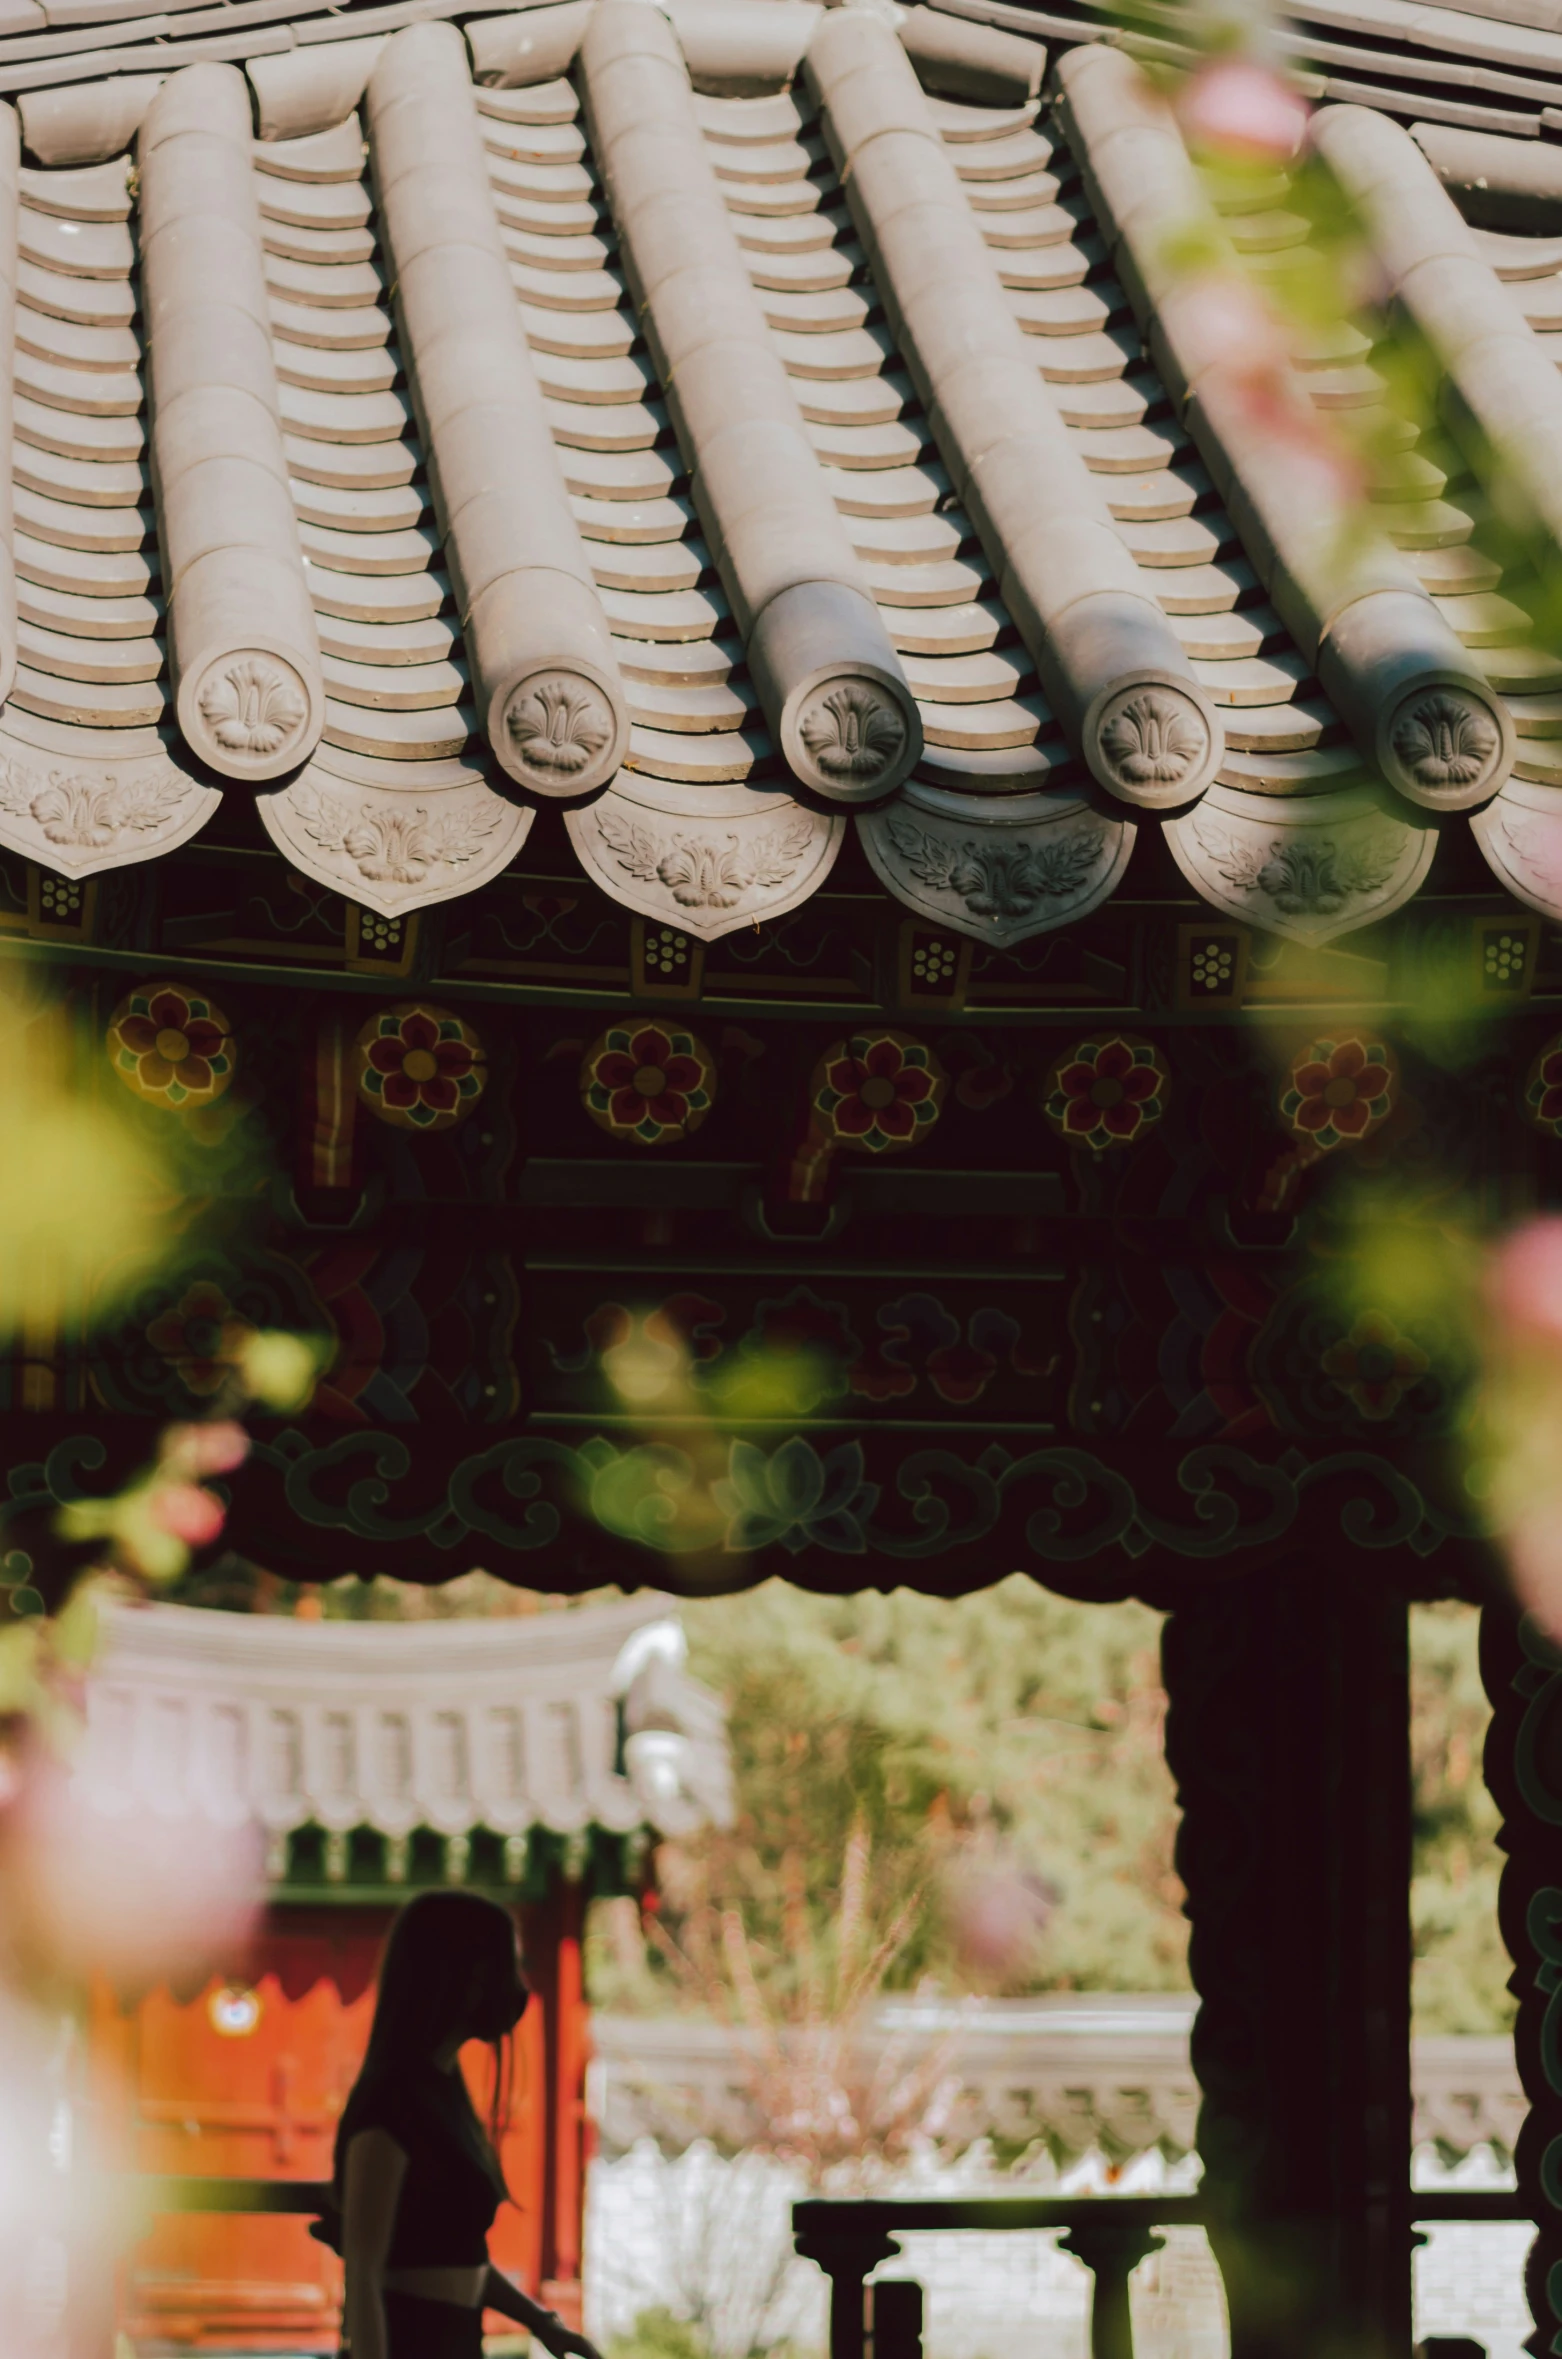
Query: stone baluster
[848, 2256]
[1111, 2250]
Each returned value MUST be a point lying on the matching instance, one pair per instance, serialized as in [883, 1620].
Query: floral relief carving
[1310, 876]
[559, 725]
[1446, 740]
[1005, 880]
[394, 847]
[253, 706]
[709, 872]
[853, 731]
[77, 812]
[1153, 738]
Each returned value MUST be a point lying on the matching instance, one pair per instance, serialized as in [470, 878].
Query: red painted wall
[246, 2079]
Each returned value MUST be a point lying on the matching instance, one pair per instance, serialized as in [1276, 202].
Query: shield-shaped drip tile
[1521, 835]
[78, 809]
[1308, 866]
[400, 847]
[707, 859]
[997, 867]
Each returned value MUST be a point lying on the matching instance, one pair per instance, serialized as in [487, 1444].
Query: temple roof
[561, 1721]
[741, 423]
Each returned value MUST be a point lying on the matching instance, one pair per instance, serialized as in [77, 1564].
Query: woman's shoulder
[391, 2098]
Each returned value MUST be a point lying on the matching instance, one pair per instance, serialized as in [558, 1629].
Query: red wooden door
[238, 2083]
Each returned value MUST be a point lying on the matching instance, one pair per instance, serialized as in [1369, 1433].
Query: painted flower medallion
[172, 1046]
[878, 1093]
[646, 1084]
[1106, 1092]
[1543, 1088]
[420, 1067]
[1338, 1091]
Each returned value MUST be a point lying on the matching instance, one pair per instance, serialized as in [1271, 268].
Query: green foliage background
[1018, 1727]
[1010, 1725]
[1461, 1967]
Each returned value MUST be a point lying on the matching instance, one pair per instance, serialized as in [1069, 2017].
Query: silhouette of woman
[418, 2178]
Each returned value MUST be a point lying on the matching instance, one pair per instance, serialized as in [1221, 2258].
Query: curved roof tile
[243, 654]
[1389, 660]
[1116, 677]
[560, 1721]
[610, 362]
[829, 683]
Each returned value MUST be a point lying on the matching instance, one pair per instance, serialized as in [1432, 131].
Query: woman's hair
[449, 1969]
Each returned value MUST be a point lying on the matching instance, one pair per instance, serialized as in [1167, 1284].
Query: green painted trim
[379, 1895]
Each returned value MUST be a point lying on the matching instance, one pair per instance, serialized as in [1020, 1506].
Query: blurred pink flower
[1222, 321]
[1524, 1283]
[1243, 109]
[191, 1514]
[1522, 1296]
[206, 1449]
[998, 1909]
[1238, 356]
[1532, 1544]
[129, 1894]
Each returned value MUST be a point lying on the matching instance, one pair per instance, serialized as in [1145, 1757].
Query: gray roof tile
[399, 805]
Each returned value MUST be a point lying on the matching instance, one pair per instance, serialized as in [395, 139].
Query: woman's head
[450, 1973]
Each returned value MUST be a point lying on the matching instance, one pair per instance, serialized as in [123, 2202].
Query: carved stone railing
[1077, 2073]
[1111, 2234]
[848, 2238]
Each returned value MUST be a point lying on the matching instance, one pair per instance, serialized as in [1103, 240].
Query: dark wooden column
[1523, 1675]
[1288, 1734]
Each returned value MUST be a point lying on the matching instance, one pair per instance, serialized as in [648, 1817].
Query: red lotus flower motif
[879, 1090]
[1337, 1090]
[960, 1372]
[1374, 1365]
[199, 1335]
[422, 1068]
[1107, 1092]
[648, 1079]
[1543, 1095]
[419, 1067]
[981, 1086]
[171, 1046]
